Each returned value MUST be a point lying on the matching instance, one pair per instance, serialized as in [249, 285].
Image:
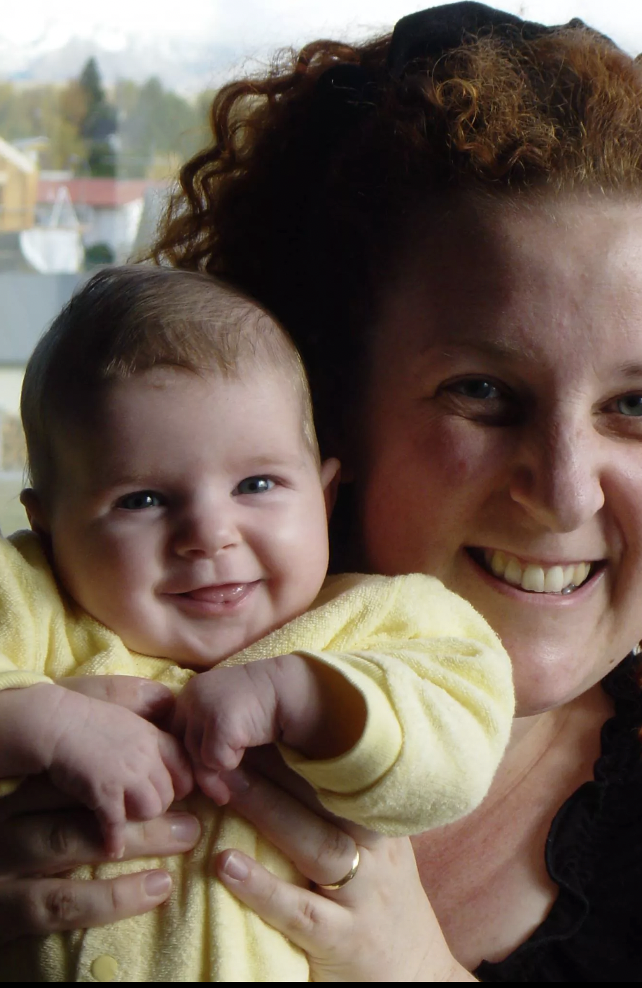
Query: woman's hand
[378, 927]
[42, 835]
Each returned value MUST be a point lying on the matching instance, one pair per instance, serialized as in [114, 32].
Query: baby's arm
[305, 704]
[436, 686]
[106, 757]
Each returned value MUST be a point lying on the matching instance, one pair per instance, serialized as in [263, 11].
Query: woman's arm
[41, 835]
[378, 927]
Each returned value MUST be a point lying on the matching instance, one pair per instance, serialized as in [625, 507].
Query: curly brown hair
[316, 170]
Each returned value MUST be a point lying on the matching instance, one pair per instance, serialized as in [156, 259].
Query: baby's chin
[200, 629]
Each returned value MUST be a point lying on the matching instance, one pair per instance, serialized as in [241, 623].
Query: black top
[594, 853]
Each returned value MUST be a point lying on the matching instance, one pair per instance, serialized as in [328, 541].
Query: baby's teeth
[554, 580]
[533, 579]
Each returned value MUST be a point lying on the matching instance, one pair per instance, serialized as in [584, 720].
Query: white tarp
[52, 251]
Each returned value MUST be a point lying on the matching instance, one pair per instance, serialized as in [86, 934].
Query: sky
[254, 26]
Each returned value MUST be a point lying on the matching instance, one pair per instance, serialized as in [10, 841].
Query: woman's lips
[561, 578]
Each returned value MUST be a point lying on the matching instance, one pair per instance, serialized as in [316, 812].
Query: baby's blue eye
[630, 405]
[139, 500]
[254, 485]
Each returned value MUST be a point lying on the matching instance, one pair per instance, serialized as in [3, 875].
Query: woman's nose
[557, 475]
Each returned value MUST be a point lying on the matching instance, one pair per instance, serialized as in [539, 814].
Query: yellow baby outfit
[437, 687]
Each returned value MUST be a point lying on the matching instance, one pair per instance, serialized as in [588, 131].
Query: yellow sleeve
[28, 606]
[438, 690]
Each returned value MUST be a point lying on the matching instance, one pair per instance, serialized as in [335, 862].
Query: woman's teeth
[536, 579]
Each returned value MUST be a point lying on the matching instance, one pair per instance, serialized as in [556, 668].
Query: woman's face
[502, 445]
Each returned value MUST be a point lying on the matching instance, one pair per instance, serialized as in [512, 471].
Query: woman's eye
[476, 388]
[630, 405]
[478, 399]
[254, 485]
[139, 500]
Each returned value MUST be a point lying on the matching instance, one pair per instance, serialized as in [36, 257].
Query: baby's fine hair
[125, 321]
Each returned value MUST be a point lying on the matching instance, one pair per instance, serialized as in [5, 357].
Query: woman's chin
[560, 644]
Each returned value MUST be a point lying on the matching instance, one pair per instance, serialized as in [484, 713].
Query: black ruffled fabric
[594, 853]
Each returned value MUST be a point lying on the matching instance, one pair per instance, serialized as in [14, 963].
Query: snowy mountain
[183, 66]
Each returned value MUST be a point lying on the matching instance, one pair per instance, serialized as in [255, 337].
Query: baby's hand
[301, 702]
[106, 757]
[222, 712]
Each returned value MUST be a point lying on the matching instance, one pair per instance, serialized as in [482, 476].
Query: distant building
[18, 189]
[28, 303]
[109, 209]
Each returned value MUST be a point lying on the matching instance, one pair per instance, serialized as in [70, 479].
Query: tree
[156, 125]
[99, 124]
[90, 81]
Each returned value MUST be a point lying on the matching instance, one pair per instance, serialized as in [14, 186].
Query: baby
[179, 506]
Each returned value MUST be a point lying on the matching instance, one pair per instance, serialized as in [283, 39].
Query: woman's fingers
[308, 920]
[316, 846]
[387, 932]
[379, 926]
[50, 843]
[46, 905]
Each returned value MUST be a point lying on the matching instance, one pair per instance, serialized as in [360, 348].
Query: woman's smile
[533, 577]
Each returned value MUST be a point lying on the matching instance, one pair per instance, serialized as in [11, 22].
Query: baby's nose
[206, 533]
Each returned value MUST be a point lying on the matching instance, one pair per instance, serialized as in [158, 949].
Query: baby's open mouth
[220, 593]
[559, 579]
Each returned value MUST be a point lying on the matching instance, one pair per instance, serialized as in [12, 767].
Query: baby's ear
[330, 476]
[35, 511]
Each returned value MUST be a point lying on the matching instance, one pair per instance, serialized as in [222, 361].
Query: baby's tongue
[223, 593]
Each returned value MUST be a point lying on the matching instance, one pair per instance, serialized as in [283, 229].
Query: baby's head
[174, 468]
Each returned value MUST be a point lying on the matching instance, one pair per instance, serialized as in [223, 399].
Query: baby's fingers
[177, 764]
[169, 777]
[211, 783]
[114, 836]
[222, 751]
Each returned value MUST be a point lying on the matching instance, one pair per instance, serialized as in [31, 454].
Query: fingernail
[236, 781]
[157, 883]
[235, 867]
[185, 828]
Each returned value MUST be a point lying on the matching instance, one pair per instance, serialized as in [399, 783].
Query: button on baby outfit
[105, 968]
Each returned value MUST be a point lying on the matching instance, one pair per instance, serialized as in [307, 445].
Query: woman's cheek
[425, 492]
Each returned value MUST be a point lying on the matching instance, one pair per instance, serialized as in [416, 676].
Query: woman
[448, 221]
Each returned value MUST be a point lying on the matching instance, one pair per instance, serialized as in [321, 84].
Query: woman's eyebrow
[499, 349]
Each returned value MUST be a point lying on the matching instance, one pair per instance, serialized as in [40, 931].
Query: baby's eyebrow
[266, 462]
[632, 369]
[107, 481]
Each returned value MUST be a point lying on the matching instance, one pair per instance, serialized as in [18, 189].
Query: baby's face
[193, 521]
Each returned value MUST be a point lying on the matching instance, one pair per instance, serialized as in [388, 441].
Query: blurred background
[99, 105]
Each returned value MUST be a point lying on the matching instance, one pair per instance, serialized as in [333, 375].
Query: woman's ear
[330, 476]
[35, 511]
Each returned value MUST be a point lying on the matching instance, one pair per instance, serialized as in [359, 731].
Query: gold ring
[346, 878]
